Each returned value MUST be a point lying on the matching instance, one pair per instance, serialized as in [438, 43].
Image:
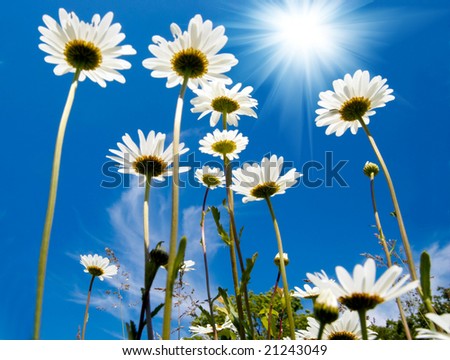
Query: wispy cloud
[126, 242]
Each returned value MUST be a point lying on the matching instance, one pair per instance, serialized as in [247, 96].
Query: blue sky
[405, 41]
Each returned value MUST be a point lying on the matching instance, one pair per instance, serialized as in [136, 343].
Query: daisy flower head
[276, 259]
[347, 327]
[443, 321]
[261, 181]
[225, 143]
[98, 266]
[192, 54]
[215, 99]
[308, 293]
[211, 177]
[149, 158]
[187, 266]
[363, 291]
[91, 48]
[353, 100]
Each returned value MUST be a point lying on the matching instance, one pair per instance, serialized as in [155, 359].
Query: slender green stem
[363, 322]
[205, 260]
[287, 294]
[269, 316]
[175, 205]
[398, 214]
[86, 312]
[321, 329]
[234, 237]
[387, 253]
[43, 255]
[146, 299]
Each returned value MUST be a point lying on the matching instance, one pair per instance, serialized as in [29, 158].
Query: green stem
[146, 299]
[272, 298]
[363, 322]
[321, 329]
[43, 255]
[383, 242]
[205, 260]
[234, 237]
[398, 214]
[86, 312]
[287, 294]
[175, 205]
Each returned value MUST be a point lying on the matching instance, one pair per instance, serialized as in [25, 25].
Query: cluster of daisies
[92, 50]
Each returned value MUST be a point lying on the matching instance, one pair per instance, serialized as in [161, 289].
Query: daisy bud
[326, 307]
[370, 168]
[159, 256]
[276, 260]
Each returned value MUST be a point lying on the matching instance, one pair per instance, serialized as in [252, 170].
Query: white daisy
[353, 98]
[257, 182]
[215, 99]
[362, 292]
[206, 330]
[188, 265]
[443, 321]
[93, 48]
[98, 266]
[347, 327]
[225, 143]
[211, 177]
[192, 53]
[308, 293]
[149, 158]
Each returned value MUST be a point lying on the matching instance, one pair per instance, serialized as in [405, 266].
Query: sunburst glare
[299, 44]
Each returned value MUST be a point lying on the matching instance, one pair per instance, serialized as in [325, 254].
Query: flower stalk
[45, 242]
[175, 208]
[86, 312]
[387, 253]
[146, 298]
[205, 259]
[282, 267]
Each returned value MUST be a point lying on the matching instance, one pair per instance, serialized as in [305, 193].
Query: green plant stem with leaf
[272, 298]
[45, 243]
[282, 267]
[235, 241]
[387, 253]
[175, 209]
[205, 260]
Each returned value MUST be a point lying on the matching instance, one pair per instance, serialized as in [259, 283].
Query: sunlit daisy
[443, 321]
[192, 53]
[308, 293]
[92, 48]
[347, 327]
[276, 259]
[216, 99]
[353, 100]
[149, 158]
[98, 266]
[208, 330]
[363, 291]
[211, 177]
[260, 181]
[188, 265]
[225, 143]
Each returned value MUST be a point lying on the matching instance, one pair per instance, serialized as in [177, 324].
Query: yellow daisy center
[224, 147]
[210, 180]
[95, 270]
[265, 190]
[83, 55]
[149, 165]
[361, 301]
[342, 335]
[224, 104]
[190, 62]
[354, 108]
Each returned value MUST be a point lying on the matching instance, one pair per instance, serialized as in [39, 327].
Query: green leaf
[156, 310]
[393, 214]
[425, 269]
[131, 330]
[245, 278]
[220, 230]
